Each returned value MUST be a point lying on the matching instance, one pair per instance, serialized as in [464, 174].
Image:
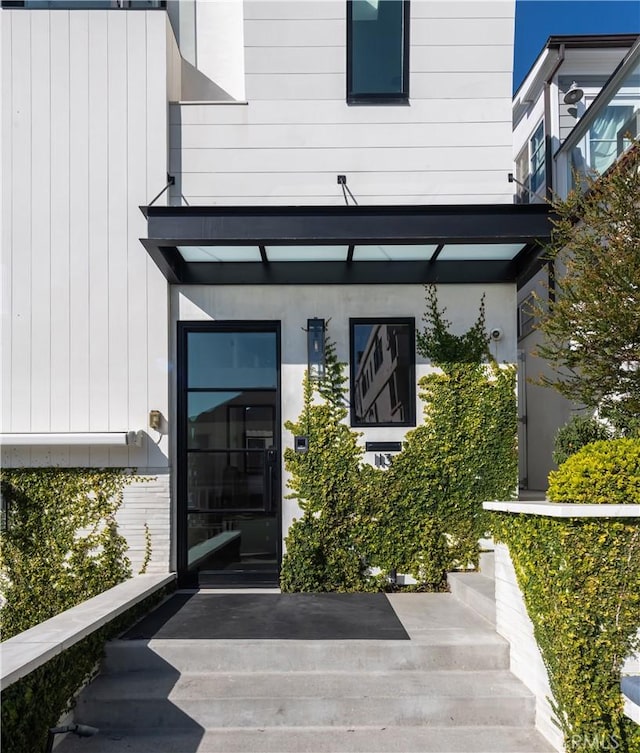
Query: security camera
[496, 334]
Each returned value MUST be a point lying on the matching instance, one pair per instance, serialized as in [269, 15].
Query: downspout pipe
[548, 160]
[548, 152]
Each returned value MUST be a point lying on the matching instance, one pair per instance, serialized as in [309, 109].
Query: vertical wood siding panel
[157, 312]
[60, 220]
[98, 227]
[79, 457]
[117, 198]
[6, 140]
[137, 194]
[40, 223]
[79, 228]
[21, 236]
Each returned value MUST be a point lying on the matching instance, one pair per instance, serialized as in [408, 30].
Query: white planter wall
[513, 623]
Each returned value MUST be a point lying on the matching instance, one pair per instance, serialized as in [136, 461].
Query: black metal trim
[169, 227]
[185, 578]
[392, 98]
[383, 446]
[344, 273]
[346, 225]
[411, 323]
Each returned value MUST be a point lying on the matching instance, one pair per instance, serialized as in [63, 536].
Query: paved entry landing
[318, 616]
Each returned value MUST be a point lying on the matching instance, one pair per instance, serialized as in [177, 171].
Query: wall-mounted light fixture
[315, 348]
[155, 420]
[573, 95]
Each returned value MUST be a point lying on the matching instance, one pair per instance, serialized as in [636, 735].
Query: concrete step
[475, 591]
[487, 565]
[454, 648]
[376, 739]
[442, 698]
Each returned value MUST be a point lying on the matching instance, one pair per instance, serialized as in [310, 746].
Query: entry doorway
[229, 453]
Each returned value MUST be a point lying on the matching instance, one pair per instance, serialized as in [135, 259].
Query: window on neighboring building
[530, 168]
[382, 372]
[377, 51]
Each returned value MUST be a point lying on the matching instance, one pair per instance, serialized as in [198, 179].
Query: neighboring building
[572, 114]
[183, 356]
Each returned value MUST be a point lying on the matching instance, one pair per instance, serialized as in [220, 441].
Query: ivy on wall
[424, 515]
[581, 585]
[463, 454]
[60, 544]
[326, 546]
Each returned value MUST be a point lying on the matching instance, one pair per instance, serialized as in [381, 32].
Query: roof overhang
[462, 243]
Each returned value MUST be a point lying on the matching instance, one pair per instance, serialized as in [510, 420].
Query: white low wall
[32, 648]
[512, 620]
[513, 623]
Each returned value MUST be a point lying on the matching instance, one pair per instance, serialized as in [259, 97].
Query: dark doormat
[322, 616]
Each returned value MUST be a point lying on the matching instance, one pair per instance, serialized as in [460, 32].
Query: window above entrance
[377, 51]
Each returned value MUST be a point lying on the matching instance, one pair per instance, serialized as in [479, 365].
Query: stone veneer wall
[513, 623]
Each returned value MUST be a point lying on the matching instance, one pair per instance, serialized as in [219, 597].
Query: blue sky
[536, 20]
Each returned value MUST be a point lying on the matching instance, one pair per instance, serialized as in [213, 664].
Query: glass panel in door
[231, 461]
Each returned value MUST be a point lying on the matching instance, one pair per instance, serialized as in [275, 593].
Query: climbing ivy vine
[424, 515]
[60, 544]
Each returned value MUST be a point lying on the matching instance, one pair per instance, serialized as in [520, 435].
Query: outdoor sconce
[155, 420]
[315, 348]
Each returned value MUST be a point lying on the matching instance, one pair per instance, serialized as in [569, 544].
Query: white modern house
[572, 115]
[191, 190]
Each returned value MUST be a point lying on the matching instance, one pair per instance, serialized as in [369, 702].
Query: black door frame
[185, 578]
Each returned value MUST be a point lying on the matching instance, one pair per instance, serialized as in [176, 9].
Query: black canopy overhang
[170, 227]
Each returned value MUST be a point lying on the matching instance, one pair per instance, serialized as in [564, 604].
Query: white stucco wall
[84, 310]
[293, 305]
[451, 144]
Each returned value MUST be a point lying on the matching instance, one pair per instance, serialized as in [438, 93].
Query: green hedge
[605, 472]
[581, 585]
[580, 579]
[575, 434]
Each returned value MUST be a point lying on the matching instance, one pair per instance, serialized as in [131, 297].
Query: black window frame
[410, 323]
[389, 98]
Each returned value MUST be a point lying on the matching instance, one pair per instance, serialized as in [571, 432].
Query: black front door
[229, 459]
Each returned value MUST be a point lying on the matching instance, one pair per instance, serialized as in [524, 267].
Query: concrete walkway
[446, 689]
